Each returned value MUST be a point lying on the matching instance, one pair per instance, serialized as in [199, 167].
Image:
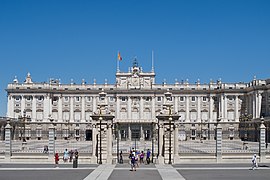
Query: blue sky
[205, 39]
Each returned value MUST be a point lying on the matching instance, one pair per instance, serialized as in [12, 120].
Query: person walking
[148, 156]
[133, 163]
[65, 155]
[254, 162]
[121, 157]
[56, 160]
[141, 157]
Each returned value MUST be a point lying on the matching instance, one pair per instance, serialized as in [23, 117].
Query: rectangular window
[159, 98]
[111, 99]
[88, 98]
[193, 98]
[181, 98]
[66, 99]
[123, 99]
[204, 99]
[78, 98]
[147, 99]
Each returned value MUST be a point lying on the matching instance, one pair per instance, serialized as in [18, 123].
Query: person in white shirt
[254, 162]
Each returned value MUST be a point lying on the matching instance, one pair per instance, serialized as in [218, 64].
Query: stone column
[142, 133]
[23, 105]
[51, 141]
[211, 108]
[141, 108]
[109, 143]
[161, 134]
[94, 103]
[46, 109]
[10, 106]
[176, 143]
[199, 116]
[218, 142]
[236, 113]
[129, 108]
[83, 108]
[71, 109]
[153, 107]
[222, 98]
[254, 105]
[187, 109]
[225, 108]
[94, 143]
[117, 107]
[262, 147]
[34, 108]
[60, 109]
[8, 145]
[176, 99]
[129, 132]
[259, 104]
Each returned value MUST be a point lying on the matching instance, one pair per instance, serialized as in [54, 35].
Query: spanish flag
[119, 56]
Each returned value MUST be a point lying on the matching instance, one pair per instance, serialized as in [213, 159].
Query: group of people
[136, 156]
[67, 156]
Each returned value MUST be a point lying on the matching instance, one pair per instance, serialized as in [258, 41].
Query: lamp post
[245, 118]
[23, 119]
[170, 142]
[152, 142]
[100, 149]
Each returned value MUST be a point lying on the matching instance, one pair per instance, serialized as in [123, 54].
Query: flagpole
[118, 64]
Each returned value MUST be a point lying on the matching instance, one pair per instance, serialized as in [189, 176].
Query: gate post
[262, 141]
[218, 141]
[8, 141]
[51, 140]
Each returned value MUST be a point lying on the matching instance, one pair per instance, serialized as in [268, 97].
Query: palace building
[135, 100]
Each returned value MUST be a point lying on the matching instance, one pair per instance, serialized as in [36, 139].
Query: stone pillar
[46, 107]
[176, 143]
[34, 108]
[10, 106]
[83, 109]
[23, 105]
[187, 109]
[95, 103]
[71, 109]
[117, 107]
[176, 99]
[109, 143]
[129, 132]
[153, 107]
[129, 108]
[225, 108]
[259, 104]
[262, 147]
[94, 143]
[161, 134]
[236, 108]
[8, 145]
[211, 103]
[51, 141]
[141, 108]
[199, 116]
[60, 109]
[254, 107]
[218, 142]
[142, 133]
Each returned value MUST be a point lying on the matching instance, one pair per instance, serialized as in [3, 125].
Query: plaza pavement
[65, 171]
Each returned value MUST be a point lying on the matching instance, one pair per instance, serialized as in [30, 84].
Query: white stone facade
[135, 98]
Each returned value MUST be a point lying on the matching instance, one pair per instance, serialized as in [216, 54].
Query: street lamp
[170, 142]
[100, 149]
[23, 119]
[244, 118]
